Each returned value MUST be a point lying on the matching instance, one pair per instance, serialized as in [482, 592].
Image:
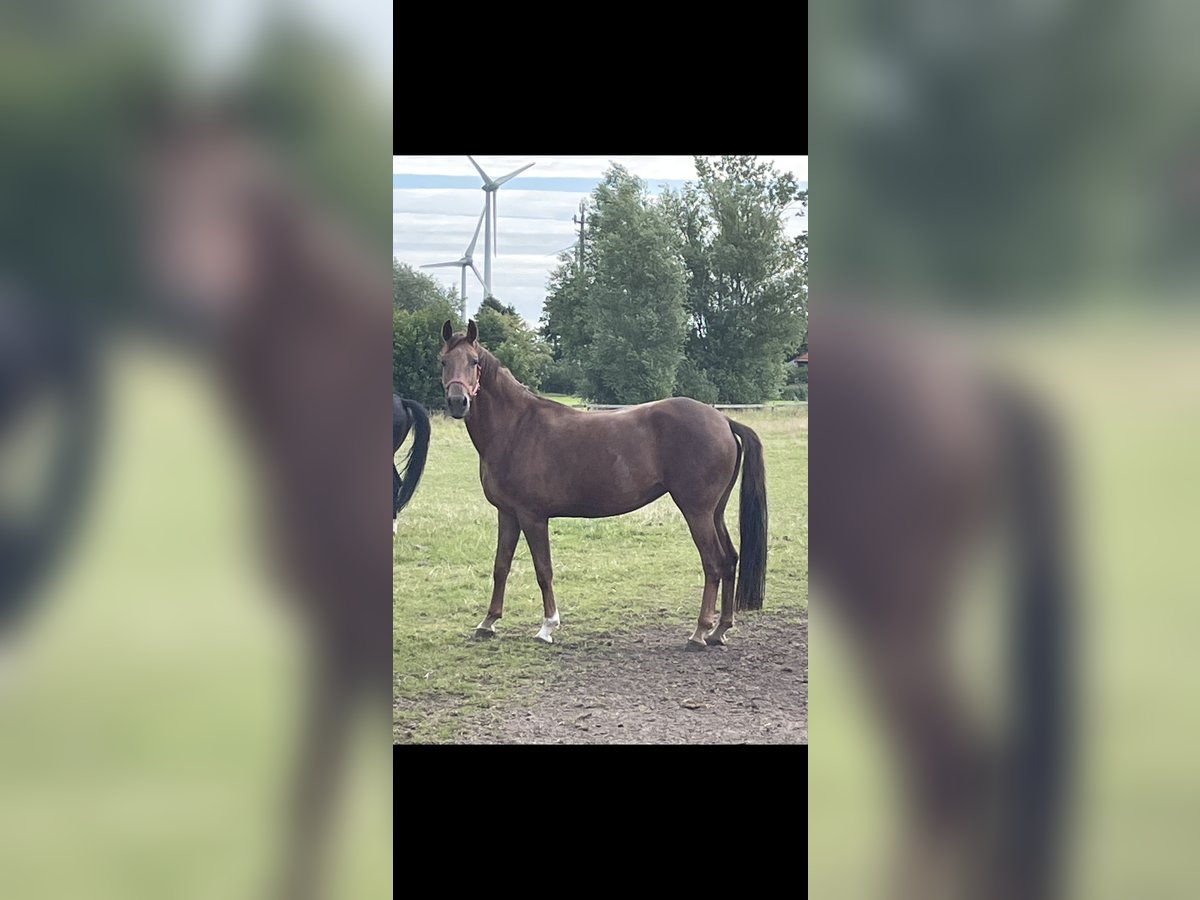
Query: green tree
[622, 318]
[747, 286]
[515, 344]
[564, 324]
[413, 290]
[564, 327]
[307, 95]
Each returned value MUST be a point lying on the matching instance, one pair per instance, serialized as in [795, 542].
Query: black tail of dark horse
[1033, 831]
[41, 356]
[752, 560]
[414, 463]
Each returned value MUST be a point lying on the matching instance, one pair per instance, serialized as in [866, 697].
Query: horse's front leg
[537, 535]
[508, 532]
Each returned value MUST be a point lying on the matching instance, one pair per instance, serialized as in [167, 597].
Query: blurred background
[1025, 176]
[1024, 179]
[156, 671]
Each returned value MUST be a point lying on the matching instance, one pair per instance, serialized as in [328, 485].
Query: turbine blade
[477, 275]
[500, 181]
[442, 265]
[482, 174]
[471, 249]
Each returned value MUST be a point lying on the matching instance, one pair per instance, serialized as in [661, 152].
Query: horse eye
[474, 362]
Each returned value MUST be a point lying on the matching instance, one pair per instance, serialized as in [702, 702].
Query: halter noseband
[471, 391]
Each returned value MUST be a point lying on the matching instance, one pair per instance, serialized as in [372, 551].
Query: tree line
[698, 292]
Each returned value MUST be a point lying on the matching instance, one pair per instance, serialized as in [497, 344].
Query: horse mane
[495, 372]
[493, 369]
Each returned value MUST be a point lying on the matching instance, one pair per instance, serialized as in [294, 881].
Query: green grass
[150, 708]
[610, 575]
[1131, 446]
[568, 399]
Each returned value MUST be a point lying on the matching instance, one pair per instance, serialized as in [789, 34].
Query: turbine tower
[490, 186]
[464, 263]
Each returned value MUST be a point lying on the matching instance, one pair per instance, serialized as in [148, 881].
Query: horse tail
[414, 463]
[1041, 646]
[752, 562]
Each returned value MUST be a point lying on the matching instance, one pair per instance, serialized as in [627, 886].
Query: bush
[562, 377]
[517, 346]
[692, 381]
[416, 342]
[796, 386]
[795, 392]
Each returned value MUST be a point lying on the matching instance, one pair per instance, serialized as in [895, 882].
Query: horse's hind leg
[317, 779]
[728, 575]
[712, 556]
[728, 564]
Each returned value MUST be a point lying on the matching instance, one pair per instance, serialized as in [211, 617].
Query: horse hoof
[695, 645]
[482, 634]
[543, 640]
[714, 641]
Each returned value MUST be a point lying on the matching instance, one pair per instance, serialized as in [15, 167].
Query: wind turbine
[465, 262]
[490, 186]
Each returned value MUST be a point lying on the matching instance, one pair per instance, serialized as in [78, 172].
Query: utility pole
[580, 220]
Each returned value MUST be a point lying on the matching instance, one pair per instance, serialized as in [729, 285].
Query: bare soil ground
[645, 688]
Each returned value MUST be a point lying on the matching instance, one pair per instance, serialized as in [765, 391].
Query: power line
[581, 221]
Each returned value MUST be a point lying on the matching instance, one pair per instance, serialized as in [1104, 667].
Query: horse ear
[447, 331]
[472, 331]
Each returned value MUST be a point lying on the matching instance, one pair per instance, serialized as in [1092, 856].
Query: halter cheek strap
[471, 391]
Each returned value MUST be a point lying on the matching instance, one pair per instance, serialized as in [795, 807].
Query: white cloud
[647, 167]
[511, 202]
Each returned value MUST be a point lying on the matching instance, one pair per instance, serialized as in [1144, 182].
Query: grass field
[150, 708]
[609, 575]
[568, 399]
[1132, 444]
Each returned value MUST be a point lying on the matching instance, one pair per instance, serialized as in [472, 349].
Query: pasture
[633, 581]
[151, 706]
[1132, 445]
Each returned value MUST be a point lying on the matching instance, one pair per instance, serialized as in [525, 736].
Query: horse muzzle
[458, 404]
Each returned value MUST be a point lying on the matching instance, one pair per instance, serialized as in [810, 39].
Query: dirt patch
[645, 688]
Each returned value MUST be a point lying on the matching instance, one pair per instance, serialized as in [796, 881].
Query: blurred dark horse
[407, 415]
[46, 362]
[296, 314]
[915, 452]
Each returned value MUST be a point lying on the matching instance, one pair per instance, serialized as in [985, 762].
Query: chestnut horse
[539, 459]
[924, 456]
[294, 311]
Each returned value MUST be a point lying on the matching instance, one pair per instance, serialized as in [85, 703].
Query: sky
[217, 35]
[437, 202]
